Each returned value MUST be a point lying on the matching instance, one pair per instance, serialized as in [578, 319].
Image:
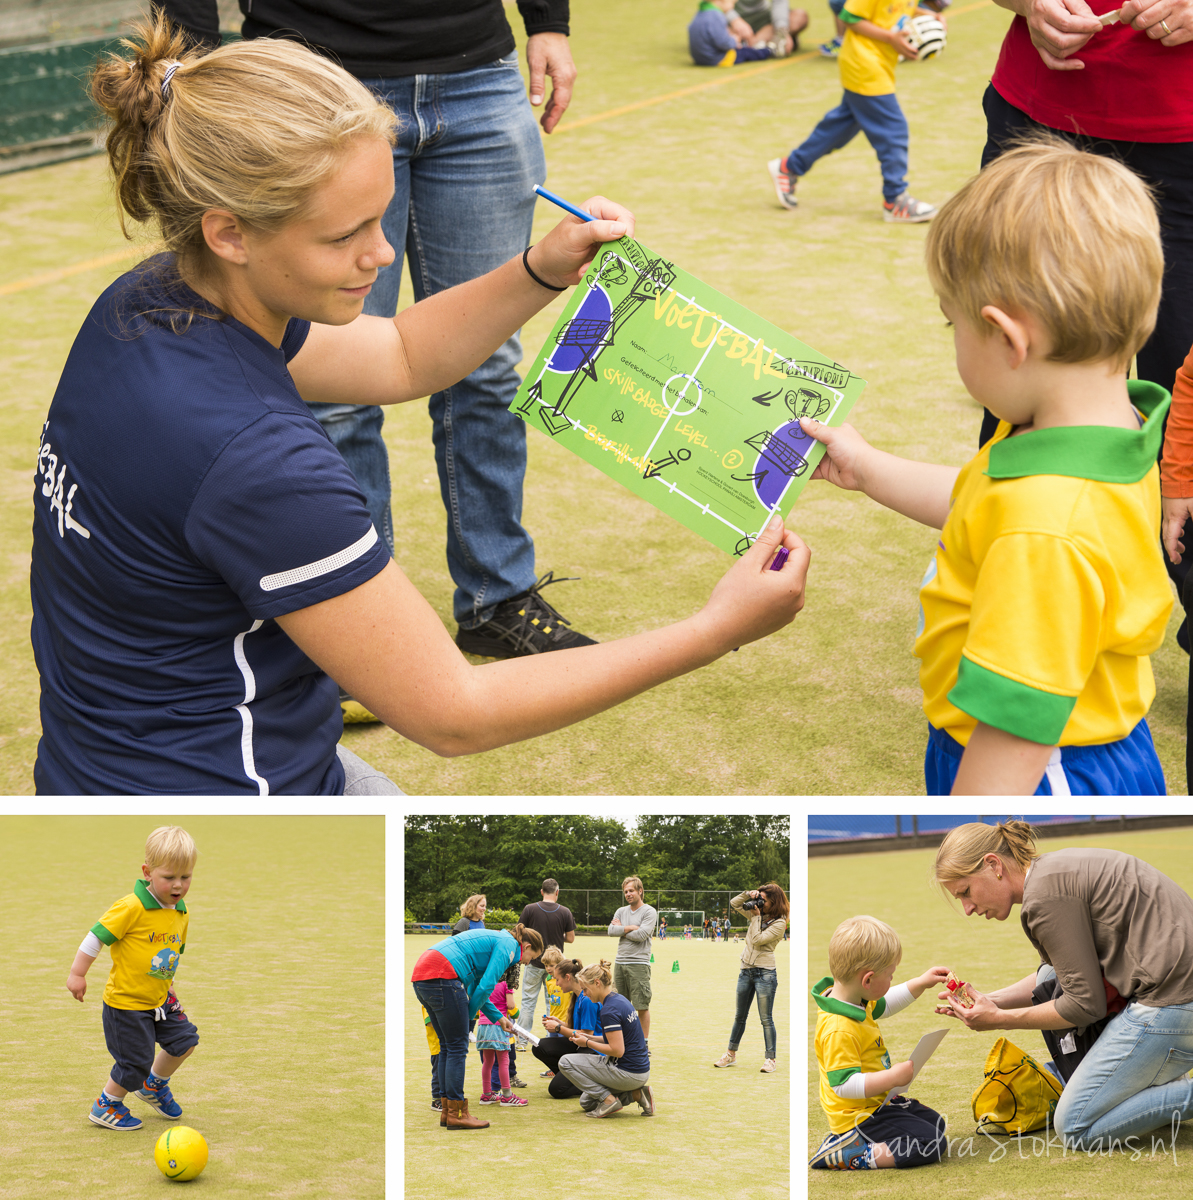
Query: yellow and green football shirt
[146, 941]
[558, 1001]
[1048, 590]
[868, 67]
[848, 1040]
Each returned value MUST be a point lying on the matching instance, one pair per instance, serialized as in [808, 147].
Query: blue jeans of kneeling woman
[759, 983]
[1133, 1082]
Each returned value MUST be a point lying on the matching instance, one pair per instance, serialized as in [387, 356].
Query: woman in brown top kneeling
[1098, 918]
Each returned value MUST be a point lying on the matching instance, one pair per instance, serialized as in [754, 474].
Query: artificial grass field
[830, 705]
[284, 976]
[894, 887]
[721, 1133]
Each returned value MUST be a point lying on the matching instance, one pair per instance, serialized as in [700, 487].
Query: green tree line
[507, 858]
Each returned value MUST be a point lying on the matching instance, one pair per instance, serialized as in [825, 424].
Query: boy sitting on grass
[146, 933]
[715, 37]
[855, 1068]
[1047, 589]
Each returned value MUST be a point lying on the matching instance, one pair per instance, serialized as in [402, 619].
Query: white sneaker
[783, 182]
[726, 1060]
[768, 1065]
[907, 210]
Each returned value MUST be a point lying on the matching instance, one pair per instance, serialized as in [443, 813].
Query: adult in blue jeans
[1096, 917]
[453, 981]
[767, 912]
[467, 158]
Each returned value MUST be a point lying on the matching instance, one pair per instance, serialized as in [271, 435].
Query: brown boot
[442, 1114]
[458, 1116]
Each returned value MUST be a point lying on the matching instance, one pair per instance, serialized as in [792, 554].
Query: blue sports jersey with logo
[184, 498]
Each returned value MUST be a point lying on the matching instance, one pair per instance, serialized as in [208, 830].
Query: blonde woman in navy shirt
[204, 565]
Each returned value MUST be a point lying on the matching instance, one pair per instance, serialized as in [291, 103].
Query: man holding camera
[633, 925]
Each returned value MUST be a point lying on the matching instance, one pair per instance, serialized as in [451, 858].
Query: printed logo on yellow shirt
[164, 964]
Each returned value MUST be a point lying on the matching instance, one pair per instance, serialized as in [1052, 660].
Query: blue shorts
[130, 1035]
[1129, 767]
[911, 1131]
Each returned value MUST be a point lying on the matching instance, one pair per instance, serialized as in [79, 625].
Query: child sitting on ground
[717, 37]
[1047, 589]
[875, 37]
[769, 23]
[855, 1068]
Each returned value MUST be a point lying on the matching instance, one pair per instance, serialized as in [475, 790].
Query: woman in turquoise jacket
[453, 981]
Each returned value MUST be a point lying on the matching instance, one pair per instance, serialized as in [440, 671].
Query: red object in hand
[958, 988]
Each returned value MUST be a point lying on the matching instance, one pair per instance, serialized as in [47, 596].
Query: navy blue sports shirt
[184, 498]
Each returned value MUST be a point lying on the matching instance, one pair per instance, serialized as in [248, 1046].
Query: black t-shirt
[553, 921]
[380, 39]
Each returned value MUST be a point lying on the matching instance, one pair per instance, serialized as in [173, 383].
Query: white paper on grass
[920, 1055]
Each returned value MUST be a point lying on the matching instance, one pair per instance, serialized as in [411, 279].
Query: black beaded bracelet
[540, 282]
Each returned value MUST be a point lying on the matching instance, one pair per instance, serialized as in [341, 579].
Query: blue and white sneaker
[113, 1114]
[847, 1151]
[156, 1093]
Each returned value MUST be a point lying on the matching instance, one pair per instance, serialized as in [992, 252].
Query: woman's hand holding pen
[561, 258]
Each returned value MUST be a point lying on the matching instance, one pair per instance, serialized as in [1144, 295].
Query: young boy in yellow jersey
[146, 933]
[874, 39]
[1047, 589]
[855, 1068]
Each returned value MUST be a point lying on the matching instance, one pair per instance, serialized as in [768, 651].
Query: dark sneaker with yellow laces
[527, 624]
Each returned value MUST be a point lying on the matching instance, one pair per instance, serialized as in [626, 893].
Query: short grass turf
[283, 975]
[720, 1133]
[894, 887]
[685, 148]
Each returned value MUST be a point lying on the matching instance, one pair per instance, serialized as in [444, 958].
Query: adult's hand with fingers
[1177, 510]
[1058, 29]
[751, 601]
[562, 257]
[1169, 22]
[984, 1014]
[548, 54]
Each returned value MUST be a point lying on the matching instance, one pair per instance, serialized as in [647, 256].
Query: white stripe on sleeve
[91, 945]
[333, 562]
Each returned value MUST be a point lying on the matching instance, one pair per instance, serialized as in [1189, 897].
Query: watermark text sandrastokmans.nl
[1043, 1143]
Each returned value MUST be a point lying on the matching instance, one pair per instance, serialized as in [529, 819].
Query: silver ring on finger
[1167, 31]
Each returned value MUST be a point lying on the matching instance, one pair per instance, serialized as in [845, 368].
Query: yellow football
[180, 1153]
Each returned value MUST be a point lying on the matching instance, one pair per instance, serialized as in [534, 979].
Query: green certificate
[682, 395]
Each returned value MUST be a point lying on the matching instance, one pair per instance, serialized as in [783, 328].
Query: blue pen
[576, 212]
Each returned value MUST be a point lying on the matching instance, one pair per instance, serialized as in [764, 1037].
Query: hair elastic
[541, 282]
[170, 69]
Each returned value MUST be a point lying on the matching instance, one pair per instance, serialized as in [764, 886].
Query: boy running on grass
[855, 1068]
[1047, 589]
[146, 932]
[875, 37]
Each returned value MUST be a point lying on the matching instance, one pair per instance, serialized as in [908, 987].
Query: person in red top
[1119, 90]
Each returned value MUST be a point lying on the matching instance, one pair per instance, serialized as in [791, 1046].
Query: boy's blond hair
[1070, 238]
[862, 944]
[170, 846]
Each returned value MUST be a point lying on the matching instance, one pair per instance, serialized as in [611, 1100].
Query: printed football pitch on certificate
[683, 396]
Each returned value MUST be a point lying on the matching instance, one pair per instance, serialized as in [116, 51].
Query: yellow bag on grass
[1016, 1095]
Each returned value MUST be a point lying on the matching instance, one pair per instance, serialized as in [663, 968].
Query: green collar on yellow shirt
[149, 900]
[1100, 452]
[841, 1008]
